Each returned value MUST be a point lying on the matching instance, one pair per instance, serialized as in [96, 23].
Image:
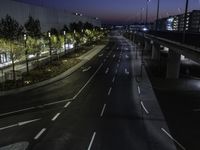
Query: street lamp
[157, 17]
[141, 15]
[26, 53]
[64, 33]
[185, 20]
[74, 40]
[50, 52]
[147, 10]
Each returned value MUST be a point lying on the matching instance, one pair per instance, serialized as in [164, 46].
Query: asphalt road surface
[95, 108]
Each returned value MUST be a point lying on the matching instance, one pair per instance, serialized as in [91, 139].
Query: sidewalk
[21, 66]
[84, 59]
[151, 113]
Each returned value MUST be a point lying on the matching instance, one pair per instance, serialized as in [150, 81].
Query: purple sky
[115, 11]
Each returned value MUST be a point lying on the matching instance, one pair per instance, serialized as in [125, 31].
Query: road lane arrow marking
[126, 72]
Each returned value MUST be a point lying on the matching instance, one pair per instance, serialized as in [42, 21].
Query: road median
[84, 58]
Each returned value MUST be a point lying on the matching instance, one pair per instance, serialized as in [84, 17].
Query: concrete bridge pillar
[155, 51]
[173, 65]
[147, 46]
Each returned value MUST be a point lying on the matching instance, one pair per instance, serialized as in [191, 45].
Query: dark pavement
[97, 109]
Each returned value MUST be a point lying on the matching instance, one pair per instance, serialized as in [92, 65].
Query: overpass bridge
[155, 44]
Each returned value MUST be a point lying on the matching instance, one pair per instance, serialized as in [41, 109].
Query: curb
[63, 75]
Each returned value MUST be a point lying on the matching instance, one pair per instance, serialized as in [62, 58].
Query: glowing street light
[64, 33]
[50, 52]
[75, 40]
[26, 53]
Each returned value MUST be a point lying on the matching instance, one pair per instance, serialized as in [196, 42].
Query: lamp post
[141, 15]
[64, 33]
[50, 52]
[147, 10]
[185, 20]
[74, 40]
[157, 16]
[26, 53]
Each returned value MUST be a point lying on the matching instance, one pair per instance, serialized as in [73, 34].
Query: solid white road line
[88, 82]
[139, 90]
[62, 101]
[170, 136]
[106, 72]
[17, 111]
[142, 104]
[109, 92]
[27, 122]
[39, 134]
[92, 140]
[102, 112]
[87, 69]
[66, 105]
[7, 127]
[55, 117]
[40, 106]
[113, 80]
[114, 56]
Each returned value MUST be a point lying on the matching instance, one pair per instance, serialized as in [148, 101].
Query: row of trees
[21, 41]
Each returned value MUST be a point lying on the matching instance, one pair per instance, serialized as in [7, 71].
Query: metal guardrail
[186, 50]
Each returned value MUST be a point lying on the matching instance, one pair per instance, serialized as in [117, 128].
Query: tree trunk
[27, 67]
[13, 66]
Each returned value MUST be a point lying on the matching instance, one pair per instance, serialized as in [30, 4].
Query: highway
[95, 108]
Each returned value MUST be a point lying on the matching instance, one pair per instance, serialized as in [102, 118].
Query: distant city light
[144, 29]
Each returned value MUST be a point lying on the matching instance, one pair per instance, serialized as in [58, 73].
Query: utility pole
[147, 10]
[157, 17]
[185, 20]
[141, 16]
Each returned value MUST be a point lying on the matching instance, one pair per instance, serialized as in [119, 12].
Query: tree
[57, 42]
[65, 28]
[33, 30]
[88, 26]
[33, 27]
[11, 31]
[54, 31]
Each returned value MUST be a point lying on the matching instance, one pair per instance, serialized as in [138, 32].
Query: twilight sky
[118, 11]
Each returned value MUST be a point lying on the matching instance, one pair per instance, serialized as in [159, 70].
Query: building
[194, 24]
[48, 17]
[176, 23]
